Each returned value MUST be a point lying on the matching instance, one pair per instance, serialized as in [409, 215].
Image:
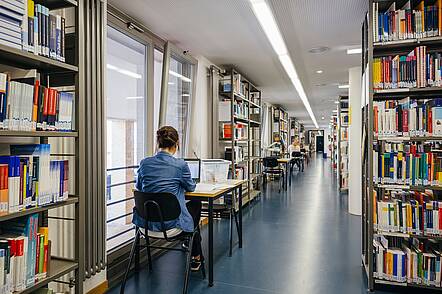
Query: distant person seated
[278, 146]
[295, 152]
[165, 173]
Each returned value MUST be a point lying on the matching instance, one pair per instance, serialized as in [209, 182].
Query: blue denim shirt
[165, 173]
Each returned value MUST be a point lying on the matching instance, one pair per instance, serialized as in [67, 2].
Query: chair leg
[188, 261]
[149, 256]
[237, 224]
[132, 252]
[232, 211]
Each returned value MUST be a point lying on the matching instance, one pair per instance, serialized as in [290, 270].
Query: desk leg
[287, 175]
[240, 216]
[210, 242]
[290, 174]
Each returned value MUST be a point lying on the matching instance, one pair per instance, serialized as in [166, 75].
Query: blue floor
[300, 241]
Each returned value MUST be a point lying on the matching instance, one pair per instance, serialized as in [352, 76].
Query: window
[158, 77]
[126, 108]
[179, 95]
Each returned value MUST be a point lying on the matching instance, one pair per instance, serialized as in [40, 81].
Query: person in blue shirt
[165, 173]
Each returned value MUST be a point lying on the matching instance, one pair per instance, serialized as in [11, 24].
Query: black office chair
[160, 207]
[298, 159]
[271, 167]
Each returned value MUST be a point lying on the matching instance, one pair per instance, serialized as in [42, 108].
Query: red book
[430, 121]
[37, 257]
[54, 102]
[46, 258]
[405, 120]
[35, 107]
[45, 104]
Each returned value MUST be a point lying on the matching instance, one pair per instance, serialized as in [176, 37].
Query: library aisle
[303, 241]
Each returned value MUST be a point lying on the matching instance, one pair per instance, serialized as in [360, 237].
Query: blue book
[395, 264]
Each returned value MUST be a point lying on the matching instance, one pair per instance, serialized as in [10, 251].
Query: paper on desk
[204, 187]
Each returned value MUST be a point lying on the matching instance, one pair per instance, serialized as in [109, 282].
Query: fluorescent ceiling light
[335, 110]
[319, 71]
[134, 97]
[268, 24]
[180, 76]
[170, 83]
[336, 102]
[344, 86]
[354, 51]
[185, 95]
[124, 71]
[322, 117]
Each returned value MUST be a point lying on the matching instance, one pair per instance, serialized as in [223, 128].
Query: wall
[354, 154]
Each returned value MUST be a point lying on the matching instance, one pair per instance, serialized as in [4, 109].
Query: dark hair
[167, 137]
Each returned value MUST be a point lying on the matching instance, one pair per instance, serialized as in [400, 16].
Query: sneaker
[195, 266]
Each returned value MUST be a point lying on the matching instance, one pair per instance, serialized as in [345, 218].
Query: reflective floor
[300, 241]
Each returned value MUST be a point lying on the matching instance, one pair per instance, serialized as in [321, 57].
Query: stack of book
[407, 164]
[12, 13]
[30, 107]
[407, 261]
[29, 178]
[25, 252]
[408, 117]
[32, 27]
[407, 22]
[416, 69]
[239, 133]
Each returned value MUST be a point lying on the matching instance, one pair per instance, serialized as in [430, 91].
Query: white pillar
[355, 130]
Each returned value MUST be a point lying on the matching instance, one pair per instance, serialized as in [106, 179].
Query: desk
[211, 196]
[288, 166]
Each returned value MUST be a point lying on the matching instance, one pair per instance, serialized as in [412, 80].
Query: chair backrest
[157, 207]
[303, 150]
[270, 162]
[296, 154]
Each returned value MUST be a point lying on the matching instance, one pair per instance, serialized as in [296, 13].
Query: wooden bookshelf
[371, 50]
[50, 71]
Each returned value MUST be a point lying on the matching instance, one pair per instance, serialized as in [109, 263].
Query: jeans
[194, 208]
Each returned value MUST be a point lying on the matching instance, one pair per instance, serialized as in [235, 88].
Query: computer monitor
[195, 168]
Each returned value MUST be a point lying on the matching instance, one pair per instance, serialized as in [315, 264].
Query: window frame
[172, 51]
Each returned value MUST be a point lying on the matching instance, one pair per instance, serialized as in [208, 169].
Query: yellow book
[31, 8]
[439, 15]
[45, 232]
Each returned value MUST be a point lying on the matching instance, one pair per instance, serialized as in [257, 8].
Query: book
[29, 106]
[22, 244]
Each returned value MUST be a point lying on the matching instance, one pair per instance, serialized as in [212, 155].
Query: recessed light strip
[268, 24]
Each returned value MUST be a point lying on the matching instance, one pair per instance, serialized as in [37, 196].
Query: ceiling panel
[227, 32]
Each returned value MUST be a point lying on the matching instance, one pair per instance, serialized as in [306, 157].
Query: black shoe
[196, 265]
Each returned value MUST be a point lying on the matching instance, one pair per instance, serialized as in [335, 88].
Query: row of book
[407, 164]
[28, 178]
[239, 132]
[408, 117]
[240, 110]
[407, 261]
[408, 212]
[416, 69]
[25, 252]
[32, 27]
[407, 22]
[30, 107]
[239, 87]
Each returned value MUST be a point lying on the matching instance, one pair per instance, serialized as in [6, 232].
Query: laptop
[195, 168]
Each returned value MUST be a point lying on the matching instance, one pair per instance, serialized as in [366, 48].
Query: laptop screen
[195, 168]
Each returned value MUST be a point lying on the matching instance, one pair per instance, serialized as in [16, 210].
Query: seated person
[165, 173]
[295, 151]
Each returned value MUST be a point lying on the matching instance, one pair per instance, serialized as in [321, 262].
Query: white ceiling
[227, 32]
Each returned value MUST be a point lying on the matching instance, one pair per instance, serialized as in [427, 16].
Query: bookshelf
[334, 141]
[390, 96]
[55, 74]
[239, 124]
[343, 142]
[295, 130]
[280, 126]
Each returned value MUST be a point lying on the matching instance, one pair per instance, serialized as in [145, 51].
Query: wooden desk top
[229, 185]
[284, 160]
